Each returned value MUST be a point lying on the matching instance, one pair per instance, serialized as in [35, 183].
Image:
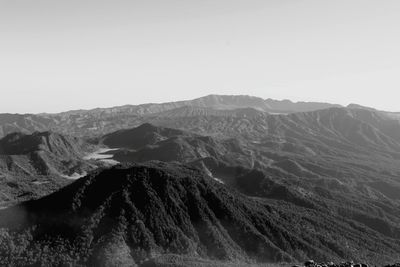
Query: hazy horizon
[68, 55]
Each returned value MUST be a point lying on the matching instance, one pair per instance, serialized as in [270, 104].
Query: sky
[58, 55]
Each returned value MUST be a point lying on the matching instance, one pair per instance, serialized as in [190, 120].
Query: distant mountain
[100, 121]
[136, 215]
[27, 123]
[230, 102]
[385, 114]
[217, 102]
[287, 106]
[349, 125]
[35, 163]
[189, 111]
[227, 102]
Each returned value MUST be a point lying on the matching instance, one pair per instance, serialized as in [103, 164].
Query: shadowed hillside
[128, 215]
[149, 142]
[34, 164]
[135, 138]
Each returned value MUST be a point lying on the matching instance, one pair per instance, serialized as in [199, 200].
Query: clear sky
[58, 55]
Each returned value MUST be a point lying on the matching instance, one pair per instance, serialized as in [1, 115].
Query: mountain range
[218, 179]
[105, 120]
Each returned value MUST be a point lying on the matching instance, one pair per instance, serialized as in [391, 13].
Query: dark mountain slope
[148, 142]
[135, 138]
[48, 153]
[127, 215]
[19, 143]
[31, 165]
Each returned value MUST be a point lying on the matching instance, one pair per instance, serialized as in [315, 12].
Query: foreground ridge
[131, 214]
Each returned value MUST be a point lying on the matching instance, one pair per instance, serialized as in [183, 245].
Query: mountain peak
[357, 106]
[146, 127]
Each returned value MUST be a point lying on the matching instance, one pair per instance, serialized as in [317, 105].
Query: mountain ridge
[105, 120]
[206, 101]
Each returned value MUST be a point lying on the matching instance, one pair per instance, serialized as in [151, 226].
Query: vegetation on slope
[128, 215]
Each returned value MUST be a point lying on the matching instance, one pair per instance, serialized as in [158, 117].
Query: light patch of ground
[101, 155]
[111, 162]
[75, 176]
[209, 173]
[218, 180]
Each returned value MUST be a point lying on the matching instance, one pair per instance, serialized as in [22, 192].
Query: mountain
[287, 106]
[140, 214]
[146, 134]
[189, 111]
[34, 164]
[228, 102]
[361, 126]
[216, 102]
[101, 121]
[353, 151]
[60, 145]
[148, 142]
